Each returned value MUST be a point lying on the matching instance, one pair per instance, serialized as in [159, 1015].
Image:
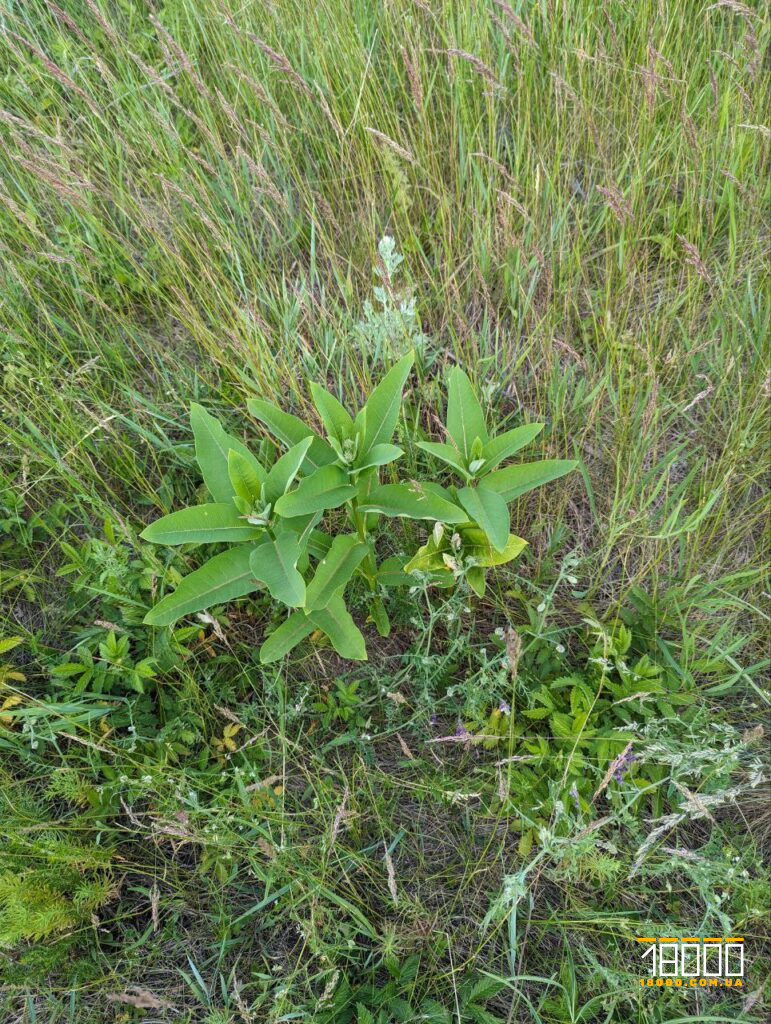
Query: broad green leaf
[512, 481]
[285, 469]
[336, 420]
[275, 565]
[212, 444]
[201, 524]
[430, 561]
[379, 615]
[379, 455]
[377, 420]
[334, 571]
[288, 635]
[465, 419]
[476, 580]
[490, 511]
[291, 430]
[505, 445]
[426, 559]
[221, 579]
[391, 572]
[246, 475]
[335, 620]
[301, 526]
[413, 501]
[447, 453]
[328, 487]
[476, 545]
[319, 542]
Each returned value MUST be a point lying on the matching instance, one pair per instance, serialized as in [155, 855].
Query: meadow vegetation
[212, 204]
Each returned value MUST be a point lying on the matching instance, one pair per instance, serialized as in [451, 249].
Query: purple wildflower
[504, 708]
[622, 764]
[434, 719]
[462, 732]
[575, 796]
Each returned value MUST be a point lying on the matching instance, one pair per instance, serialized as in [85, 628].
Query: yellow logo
[703, 962]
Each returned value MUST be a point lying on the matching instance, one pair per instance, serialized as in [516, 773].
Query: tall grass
[194, 201]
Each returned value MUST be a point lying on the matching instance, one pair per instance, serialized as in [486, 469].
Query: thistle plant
[273, 515]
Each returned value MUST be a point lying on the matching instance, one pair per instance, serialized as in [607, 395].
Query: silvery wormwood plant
[272, 516]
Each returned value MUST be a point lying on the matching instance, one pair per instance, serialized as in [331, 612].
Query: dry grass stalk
[618, 204]
[405, 749]
[733, 5]
[693, 801]
[391, 873]
[476, 63]
[513, 651]
[413, 76]
[279, 61]
[140, 998]
[700, 397]
[387, 141]
[340, 816]
[614, 764]
[155, 902]
[523, 28]
[694, 259]
[56, 72]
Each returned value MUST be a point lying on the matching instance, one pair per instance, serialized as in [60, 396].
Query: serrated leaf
[221, 579]
[525, 844]
[201, 524]
[285, 469]
[465, 418]
[246, 475]
[377, 420]
[514, 481]
[484, 988]
[71, 668]
[505, 445]
[413, 501]
[346, 638]
[337, 421]
[275, 564]
[334, 571]
[562, 725]
[212, 444]
[287, 636]
[433, 1012]
[490, 511]
[291, 430]
[363, 1015]
[327, 488]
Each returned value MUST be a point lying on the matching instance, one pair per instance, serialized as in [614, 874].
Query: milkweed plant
[272, 517]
